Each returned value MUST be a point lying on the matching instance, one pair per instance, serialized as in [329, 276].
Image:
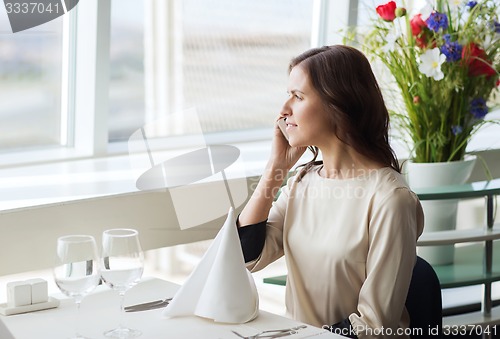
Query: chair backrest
[424, 302]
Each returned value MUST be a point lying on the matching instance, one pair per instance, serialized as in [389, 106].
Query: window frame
[92, 77]
[84, 98]
[85, 83]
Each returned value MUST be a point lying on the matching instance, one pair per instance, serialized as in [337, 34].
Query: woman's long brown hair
[343, 77]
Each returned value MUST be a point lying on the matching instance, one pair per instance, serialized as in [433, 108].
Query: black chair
[424, 302]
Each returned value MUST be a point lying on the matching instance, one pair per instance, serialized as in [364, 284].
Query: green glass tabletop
[467, 268]
[278, 280]
[471, 190]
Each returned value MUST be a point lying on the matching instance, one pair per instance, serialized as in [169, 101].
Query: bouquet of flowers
[445, 61]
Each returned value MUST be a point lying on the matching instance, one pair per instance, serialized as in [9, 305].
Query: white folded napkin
[220, 287]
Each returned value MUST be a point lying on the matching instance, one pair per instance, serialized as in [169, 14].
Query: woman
[348, 224]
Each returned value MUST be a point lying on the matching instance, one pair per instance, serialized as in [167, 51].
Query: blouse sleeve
[273, 245]
[395, 224]
[252, 239]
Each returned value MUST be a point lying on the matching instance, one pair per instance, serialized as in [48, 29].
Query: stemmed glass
[122, 264]
[76, 270]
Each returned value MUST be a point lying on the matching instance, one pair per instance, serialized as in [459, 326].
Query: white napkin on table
[220, 287]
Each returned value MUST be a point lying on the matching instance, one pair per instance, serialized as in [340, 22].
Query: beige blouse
[349, 246]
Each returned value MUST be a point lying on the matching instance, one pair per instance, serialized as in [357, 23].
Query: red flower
[418, 29]
[387, 11]
[477, 60]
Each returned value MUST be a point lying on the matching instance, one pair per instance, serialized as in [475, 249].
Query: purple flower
[497, 26]
[471, 4]
[452, 50]
[456, 129]
[447, 38]
[437, 21]
[478, 108]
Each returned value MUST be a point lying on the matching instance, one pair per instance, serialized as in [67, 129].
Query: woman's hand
[282, 154]
[283, 157]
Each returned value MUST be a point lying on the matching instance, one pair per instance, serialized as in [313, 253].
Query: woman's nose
[285, 113]
[285, 109]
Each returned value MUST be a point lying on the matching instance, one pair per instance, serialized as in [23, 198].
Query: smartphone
[282, 126]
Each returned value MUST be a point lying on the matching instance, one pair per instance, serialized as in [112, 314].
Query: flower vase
[439, 215]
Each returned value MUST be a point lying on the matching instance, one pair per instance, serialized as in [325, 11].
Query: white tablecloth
[100, 312]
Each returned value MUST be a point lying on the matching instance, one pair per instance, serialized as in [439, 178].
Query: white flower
[390, 42]
[455, 6]
[431, 3]
[393, 35]
[487, 41]
[431, 62]
[427, 10]
[391, 38]
[490, 39]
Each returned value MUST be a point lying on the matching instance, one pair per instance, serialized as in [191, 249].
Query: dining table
[100, 311]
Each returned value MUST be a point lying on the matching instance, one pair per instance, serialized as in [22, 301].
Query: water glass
[76, 271]
[122, 264]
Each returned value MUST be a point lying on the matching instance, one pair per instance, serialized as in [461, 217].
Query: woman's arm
[395, 225]
[259, 204]
[262, 242]
[282, 159]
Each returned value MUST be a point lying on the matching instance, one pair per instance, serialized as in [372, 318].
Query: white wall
[28, 235]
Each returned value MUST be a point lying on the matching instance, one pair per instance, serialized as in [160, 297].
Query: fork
[269, 333]
[148, 306]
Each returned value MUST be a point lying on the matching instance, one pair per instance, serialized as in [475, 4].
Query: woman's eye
[295, 96]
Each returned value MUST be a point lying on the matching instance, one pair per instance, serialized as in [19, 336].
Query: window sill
[84, 178]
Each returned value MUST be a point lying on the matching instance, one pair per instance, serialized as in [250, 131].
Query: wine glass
[76, 270]
[122, 264]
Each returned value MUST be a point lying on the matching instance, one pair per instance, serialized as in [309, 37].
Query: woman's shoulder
[381, 179]
[392, 185]
[385, 176]
[390, 178]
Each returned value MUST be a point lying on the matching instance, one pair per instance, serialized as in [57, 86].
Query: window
[30, 85]
[227, 59]
[126, 73]
[224, 58]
